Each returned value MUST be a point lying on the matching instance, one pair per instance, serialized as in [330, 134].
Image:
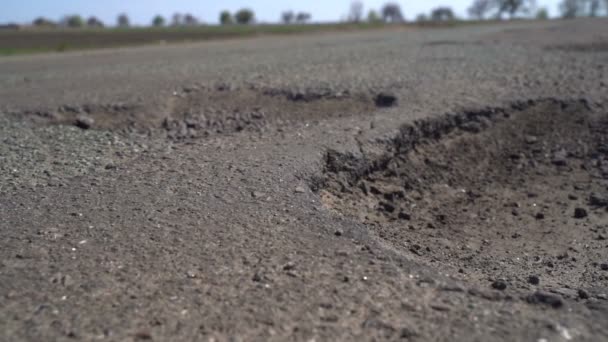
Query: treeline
[389, 13]
[243, 17]
[484, 9]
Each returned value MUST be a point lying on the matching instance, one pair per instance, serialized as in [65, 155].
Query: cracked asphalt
[127, 235]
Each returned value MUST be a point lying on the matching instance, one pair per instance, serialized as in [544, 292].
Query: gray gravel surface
[125, 234]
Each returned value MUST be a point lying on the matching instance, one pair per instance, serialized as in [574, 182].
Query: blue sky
[141, 11]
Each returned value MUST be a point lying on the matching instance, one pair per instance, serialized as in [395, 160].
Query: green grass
[23, 51]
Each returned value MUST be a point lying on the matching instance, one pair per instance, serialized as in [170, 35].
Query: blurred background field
[43, 33]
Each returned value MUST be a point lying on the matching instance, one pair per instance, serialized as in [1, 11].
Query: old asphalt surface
[143, 228]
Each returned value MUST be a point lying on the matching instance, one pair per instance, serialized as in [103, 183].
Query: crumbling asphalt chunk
[545, 298]
[84, 122]
[598, 199]
[500, 285]
[384, 100]
[580, 213]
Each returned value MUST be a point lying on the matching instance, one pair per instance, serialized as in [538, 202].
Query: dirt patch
[514, 198]
[587, 47]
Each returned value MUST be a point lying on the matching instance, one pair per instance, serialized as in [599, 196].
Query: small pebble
[499, 285]
[404, 216]
[385, 100]
[534, 280]
[84, 122]
[257, 194]
[580, 213]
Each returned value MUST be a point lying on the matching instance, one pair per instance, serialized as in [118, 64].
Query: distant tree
[177, 20]
[579, 8]
[288, 17]
[391, 13]
[421, 18]
[442, 14]
[480, 8]
[158, 21]
[190, 20]
[373, 16]
[244, 16]
[123, 20]
[43, 22]
[572, 8]
[594, 7]
[73, 21]
[355, 13]
[94, 22]
[302, 17]
[226, 18]
[514, 7]
[542, 14]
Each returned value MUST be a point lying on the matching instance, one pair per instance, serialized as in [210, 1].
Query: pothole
[116, 116]
[199, 111]
[204, 111]
[504, 193]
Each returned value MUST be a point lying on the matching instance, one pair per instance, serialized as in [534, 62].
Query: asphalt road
[126, 234]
